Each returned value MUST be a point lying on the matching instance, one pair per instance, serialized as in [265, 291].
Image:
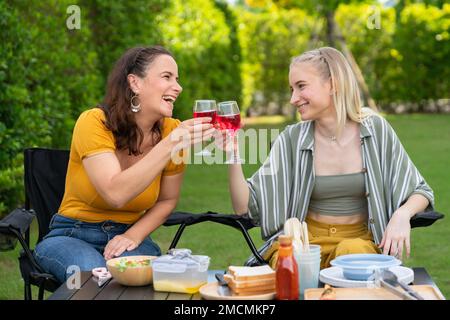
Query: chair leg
[251, 244]
[177, 236]
[41, 290]
[27, 291]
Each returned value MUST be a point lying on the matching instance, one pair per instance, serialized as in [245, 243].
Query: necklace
[333, 137]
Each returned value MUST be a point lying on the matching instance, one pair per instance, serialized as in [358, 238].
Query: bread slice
[250, 280]
[257, 283]
[251, 273]
[254, 289]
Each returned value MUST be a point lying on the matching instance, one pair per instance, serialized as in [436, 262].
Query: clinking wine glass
[229, 119]
[205, 108]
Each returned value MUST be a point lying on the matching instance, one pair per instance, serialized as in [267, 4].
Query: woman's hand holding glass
[224, 141]
[190, 132]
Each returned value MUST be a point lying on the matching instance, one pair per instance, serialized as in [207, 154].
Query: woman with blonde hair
[342, 169]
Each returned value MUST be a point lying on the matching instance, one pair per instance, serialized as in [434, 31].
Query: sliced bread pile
[247, 281]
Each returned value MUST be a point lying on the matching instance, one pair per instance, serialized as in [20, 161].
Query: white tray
[335, 277]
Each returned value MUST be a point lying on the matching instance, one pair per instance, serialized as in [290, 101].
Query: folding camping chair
[45, 174]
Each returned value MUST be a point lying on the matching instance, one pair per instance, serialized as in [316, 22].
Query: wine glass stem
[235, 151]
[235, 146]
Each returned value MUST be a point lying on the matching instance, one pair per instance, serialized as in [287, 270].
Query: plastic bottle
[286, 271]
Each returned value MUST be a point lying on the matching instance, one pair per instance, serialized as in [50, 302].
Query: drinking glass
[229, 119]
[308, 269]
[205, 108]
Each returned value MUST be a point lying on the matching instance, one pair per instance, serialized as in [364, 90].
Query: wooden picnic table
[112, 290]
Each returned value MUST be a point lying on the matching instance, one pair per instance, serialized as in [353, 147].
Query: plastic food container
[180, 271]
[362, 266]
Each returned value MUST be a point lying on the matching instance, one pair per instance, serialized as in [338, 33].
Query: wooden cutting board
[428, 292]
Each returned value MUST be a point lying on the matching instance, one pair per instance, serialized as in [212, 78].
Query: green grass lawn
[205, 187]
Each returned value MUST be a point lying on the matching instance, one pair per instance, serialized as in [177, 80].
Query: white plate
[335, 277]
[209, 292]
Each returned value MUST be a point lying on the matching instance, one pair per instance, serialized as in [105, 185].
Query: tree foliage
[206, 50]
[50, 74]
[269, 40]
[401, 60]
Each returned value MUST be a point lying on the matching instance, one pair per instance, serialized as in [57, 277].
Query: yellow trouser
[334, 240]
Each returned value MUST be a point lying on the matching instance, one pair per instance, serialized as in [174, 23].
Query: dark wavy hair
[116, 104]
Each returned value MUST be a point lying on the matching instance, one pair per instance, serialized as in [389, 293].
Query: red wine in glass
[205, 108]
[229, 122]
[208, 113]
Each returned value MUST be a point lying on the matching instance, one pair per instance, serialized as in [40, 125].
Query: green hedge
[205, 48]
[269, 40]
[406, 60]
[49, 74]
[422, 40]
[119, 25]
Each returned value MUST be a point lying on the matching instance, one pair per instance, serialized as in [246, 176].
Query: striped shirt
[282, 186]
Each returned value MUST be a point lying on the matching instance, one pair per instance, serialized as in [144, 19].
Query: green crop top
[339, 195]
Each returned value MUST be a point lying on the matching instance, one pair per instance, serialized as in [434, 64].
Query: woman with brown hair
[124, 174]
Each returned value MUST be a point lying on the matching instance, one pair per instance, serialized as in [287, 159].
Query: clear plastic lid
[180, 260]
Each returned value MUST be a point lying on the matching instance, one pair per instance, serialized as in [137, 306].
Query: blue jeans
[76, 243]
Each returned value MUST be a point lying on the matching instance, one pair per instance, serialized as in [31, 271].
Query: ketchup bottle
[286, 282]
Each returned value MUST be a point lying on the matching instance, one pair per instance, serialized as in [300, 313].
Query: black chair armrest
[232, 220]
[241, 223]
[43, 276]
[424, 219]
[19, 218]
[13, 226]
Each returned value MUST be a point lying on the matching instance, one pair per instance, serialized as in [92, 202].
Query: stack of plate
[356, 270]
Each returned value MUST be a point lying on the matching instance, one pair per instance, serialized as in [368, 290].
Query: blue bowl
[361, 266]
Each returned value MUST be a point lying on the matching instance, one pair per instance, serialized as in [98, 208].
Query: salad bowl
[132, 270]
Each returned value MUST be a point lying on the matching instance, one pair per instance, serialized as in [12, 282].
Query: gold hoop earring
[135, 107]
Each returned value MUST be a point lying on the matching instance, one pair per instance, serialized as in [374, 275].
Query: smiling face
[159, 89]
[311, 94]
